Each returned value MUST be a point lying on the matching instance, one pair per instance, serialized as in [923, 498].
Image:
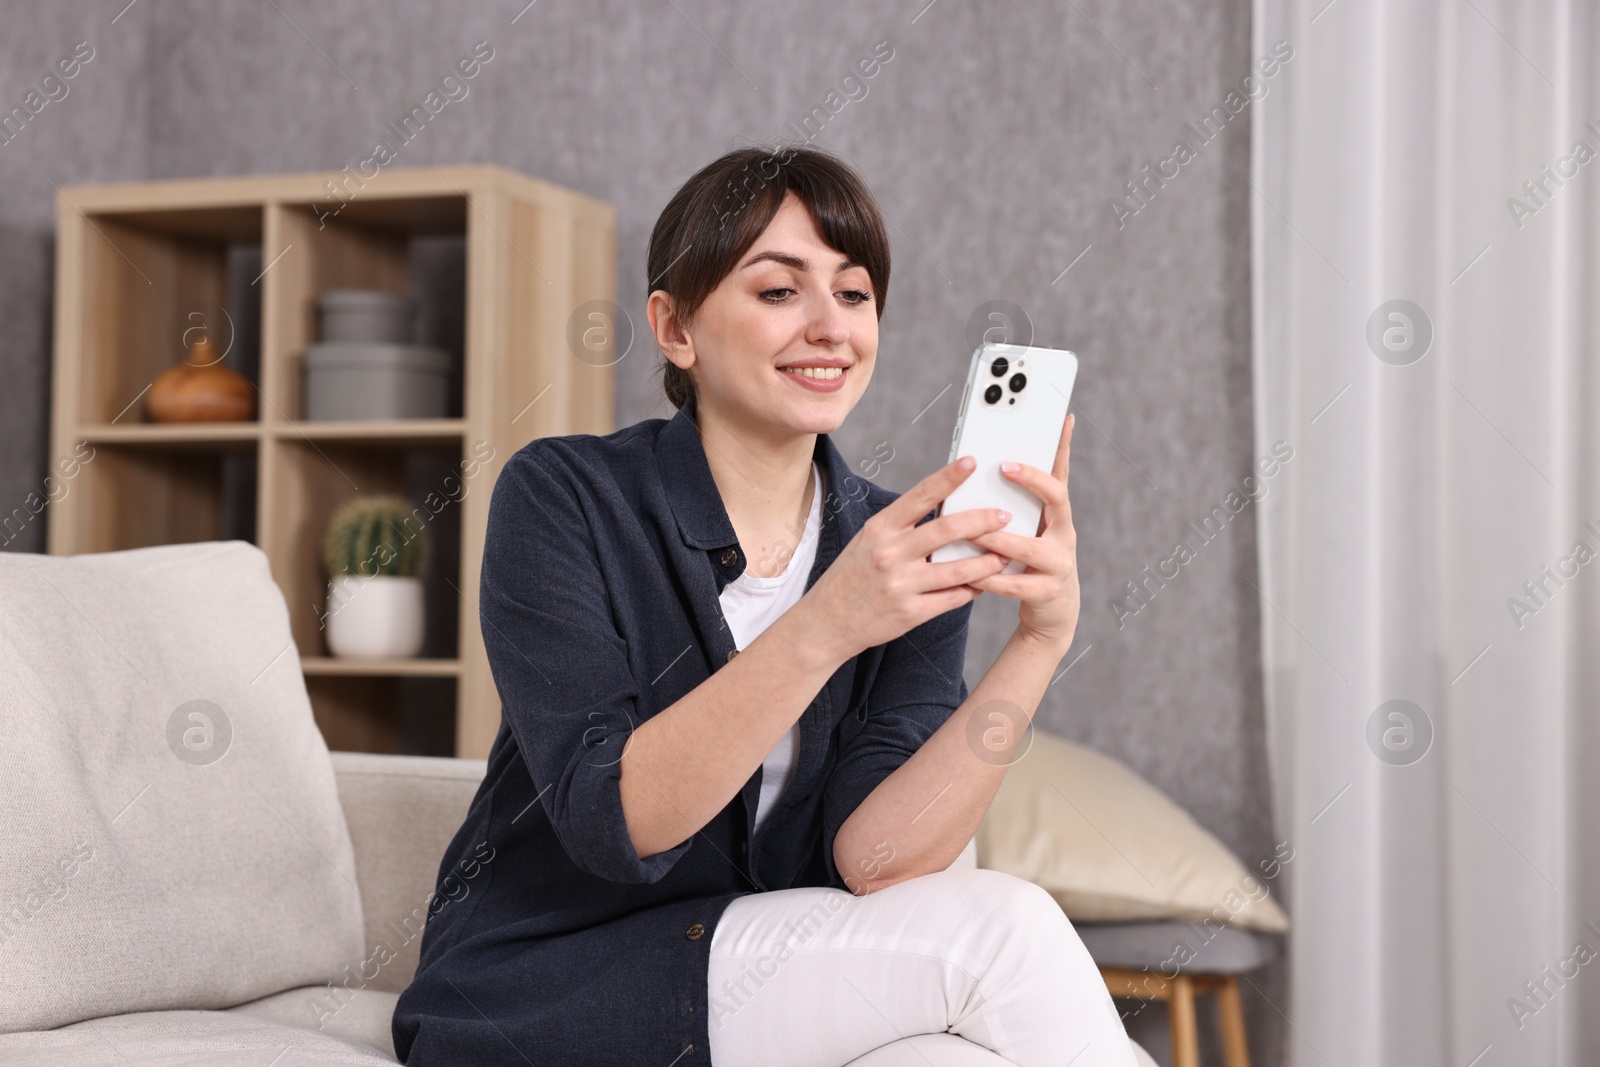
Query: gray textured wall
[995, 139]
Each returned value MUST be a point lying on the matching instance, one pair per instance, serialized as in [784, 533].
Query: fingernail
[1005, 517]
[1004, 560]
[1010, 468]
[966, 463]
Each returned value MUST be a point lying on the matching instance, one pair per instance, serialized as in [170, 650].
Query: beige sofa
[401, 812]
[188, 875]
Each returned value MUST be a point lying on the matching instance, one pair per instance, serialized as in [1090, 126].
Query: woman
[682, 857]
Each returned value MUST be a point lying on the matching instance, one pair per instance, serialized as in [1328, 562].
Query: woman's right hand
[882, 585]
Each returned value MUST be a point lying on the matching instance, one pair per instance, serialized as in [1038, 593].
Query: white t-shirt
[750, 604]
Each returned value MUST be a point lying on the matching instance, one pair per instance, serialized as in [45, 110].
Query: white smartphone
[1014, 407]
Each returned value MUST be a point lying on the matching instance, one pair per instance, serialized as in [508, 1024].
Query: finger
[914, 503]
[954, 597]
[1059, 470]
[941, 600]
[1047, 487]
[1021, 586]
[959, 571]
[1063, 468]
[920, 541]
[1051, 488]
[1064, 449]
[1034, 551]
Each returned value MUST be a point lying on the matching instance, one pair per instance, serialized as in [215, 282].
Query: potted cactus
[374, 551]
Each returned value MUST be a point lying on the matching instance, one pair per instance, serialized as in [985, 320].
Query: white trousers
[962, 967]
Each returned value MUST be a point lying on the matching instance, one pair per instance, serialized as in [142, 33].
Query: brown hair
[720, 212]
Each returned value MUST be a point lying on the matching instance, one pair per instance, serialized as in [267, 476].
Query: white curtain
[1436, 540]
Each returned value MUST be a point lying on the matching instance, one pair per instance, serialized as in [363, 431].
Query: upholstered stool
[1172, 961]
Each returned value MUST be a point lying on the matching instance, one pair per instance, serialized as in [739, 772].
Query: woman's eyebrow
[790, 260]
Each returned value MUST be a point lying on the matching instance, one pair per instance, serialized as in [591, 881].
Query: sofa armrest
[402, 812]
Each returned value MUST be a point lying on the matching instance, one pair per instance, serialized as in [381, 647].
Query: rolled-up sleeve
[919, 685]
[566, 689]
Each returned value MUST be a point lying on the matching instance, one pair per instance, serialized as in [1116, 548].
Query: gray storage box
[350, 380]
[367, 315]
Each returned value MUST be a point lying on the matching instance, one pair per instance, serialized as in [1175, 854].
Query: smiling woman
[703, 859]
[708, 229]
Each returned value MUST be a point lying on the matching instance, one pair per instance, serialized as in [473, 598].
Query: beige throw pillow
[170, 829]
[1110, 847]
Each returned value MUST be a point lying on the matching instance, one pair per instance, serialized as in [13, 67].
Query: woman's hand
[1048, 588]
[882, 584]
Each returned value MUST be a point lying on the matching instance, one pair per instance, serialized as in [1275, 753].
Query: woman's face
[790, 302]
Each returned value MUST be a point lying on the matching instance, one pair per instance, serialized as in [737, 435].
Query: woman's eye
[852, 297]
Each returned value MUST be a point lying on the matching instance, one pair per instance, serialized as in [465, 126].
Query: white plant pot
[374, 617]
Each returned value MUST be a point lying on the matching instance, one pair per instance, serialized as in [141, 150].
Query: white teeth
[820, 373]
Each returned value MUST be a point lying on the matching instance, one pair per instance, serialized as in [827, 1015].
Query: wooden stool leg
[1235, 1049]
[1185, 1041]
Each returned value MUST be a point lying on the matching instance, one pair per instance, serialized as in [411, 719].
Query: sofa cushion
[173, 831]
[363, 1016]
[1111, 847]
[184, 1039]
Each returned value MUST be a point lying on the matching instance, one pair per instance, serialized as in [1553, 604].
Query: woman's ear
[673, 340]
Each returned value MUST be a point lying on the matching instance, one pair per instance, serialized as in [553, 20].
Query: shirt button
[744, 848]
[694, 932]
[729, 557]
[732, 652]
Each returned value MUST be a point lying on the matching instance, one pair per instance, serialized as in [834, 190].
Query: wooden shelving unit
[135, 262]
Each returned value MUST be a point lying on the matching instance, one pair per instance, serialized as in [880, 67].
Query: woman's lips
[817, 385]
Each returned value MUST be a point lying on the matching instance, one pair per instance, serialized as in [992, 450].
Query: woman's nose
[829, 324]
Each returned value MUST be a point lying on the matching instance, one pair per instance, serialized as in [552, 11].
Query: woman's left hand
[1048, 588]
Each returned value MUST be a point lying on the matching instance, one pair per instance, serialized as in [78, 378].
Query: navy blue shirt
[550, 940]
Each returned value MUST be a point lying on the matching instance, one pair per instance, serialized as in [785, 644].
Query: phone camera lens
[1000, 366]
[1017, 382]
[992, 394]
